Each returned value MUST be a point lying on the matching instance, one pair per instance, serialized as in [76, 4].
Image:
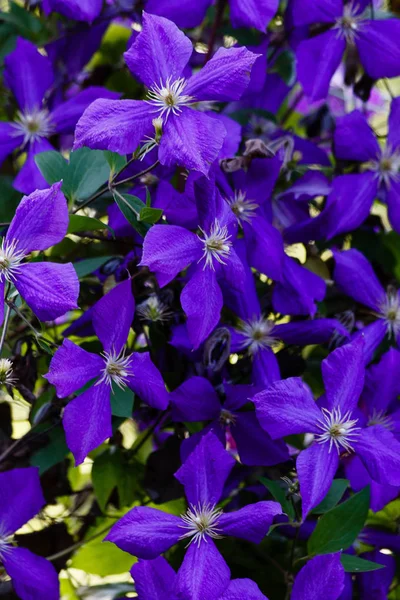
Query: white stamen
[390, 312]
[226, 418]
[379, 417]
[168, 97]
[5, 541]
[154, 310]
[6, 372]
[349, 24]
[338, 430]
[257, 334]
[387, 166]
[217, 244]
[34, 125]
[10, 260]
[242, 207]
[200, 522]
[116, 369]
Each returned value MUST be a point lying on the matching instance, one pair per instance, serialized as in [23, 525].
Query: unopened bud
[217, 349]
[158, 125]
[256, 148]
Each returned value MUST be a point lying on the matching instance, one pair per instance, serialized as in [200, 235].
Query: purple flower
[168, 249]
[78, 10]
[190, 13]
[287, 407]
[156, 580]
[30, 77]
[322, 578]
[21, 498]
[196, 400]
[87, 418]
[40, 221]
[147, 532]
[345, 26]
[355, 277]
[159, 57]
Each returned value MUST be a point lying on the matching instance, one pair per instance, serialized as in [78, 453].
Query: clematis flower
[189, 13]
[158, 57]
[40, 221]
[355, 277]
[346, 26]
[196, 400]
[168, 249]
[287, 407]
[147, 532]
[87, 418]
[156, 580]
[21, 498]
[30, 77]
[322, 578]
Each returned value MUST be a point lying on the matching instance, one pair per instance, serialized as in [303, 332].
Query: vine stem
[78, 544]
[219, 13]
[6, 323]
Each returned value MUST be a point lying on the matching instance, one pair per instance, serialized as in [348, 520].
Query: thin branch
[5, 327]
[78, 544]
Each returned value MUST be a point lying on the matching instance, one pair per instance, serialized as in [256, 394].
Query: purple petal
[393, 138]
[298, 291]
[66, 115]
[147, 381]
[315, 331]
[354, 126]
[377, 43]
[204, 472]
[254, 445]
[306, 12]
[116, 125]
[253, 13]
[287, 407]
[154, 579]
[250, 523]
[343, 374]
[393, 204]
[2, 303]
[195, 400]
[191, 139]
[29, 177]
[349, 202]
[33, 577]
[264, 247]
[180, 209]
[317, 60]
[21, 498]
[382, 384]
[168, 249]
[316, 468]
[49, 289]
[160, 51]
[377, 584]
[265, 368]
[203, 574]
[87, 421]
[77, 10]
[146, 532]
[28, 74]
[72, 367]
[322, 578]
[40, 221]
[225, 77]
[372, 335]
[113, 316]
[355, 276]
[380, 452]
[184, 13]
[10, 139]
[242, 588]
[202, 302]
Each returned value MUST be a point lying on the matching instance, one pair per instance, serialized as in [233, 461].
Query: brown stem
[219, 13]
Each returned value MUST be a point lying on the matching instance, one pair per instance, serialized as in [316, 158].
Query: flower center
[116, 369]
[10, 260]
[242, 207]
[257, 334]
[348, 24]
[154, 310]
[200, 522]
[169, 97]
[387, 166]
[338, 430]
[379, 417]
[34, 125]
[390, 311]
[226, 418]
[6, 372]
[5, 542]
[217, 244]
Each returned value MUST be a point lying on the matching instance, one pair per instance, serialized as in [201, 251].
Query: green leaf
[148, 198]
[355, 564]
[279, 493]
[10, 198]
[150, 215]
[81, 223]
[104, 476]
[285, 66]
[131, 207]
[52, 453]
[115, 161]
[87, 171]
[333, 496]
[88, 265]
[45, 346]
[122, 402]
[52, 166]
[338, 528]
